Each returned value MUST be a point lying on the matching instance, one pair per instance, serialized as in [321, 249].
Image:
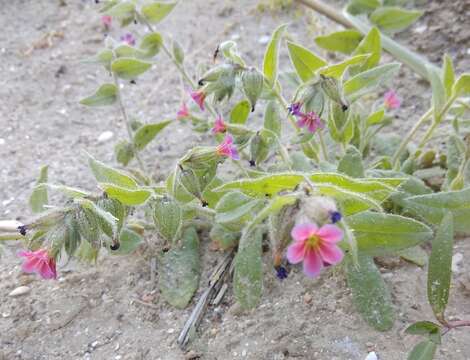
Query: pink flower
[39, 262]
[391, 100]
[316, 247]
[311, 121]
[183, 112]
[219, 125]
[226, 148]
[128, 39]
[199, 97]
[106, 20]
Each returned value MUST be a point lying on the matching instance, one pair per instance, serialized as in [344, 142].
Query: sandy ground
[89, 313]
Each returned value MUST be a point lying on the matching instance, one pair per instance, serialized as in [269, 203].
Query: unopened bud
[253, 82]
[190, 182]
[200, 157]
[259, 149]
[319, 209]
[168, 218]
[331, 88]
[280, 227]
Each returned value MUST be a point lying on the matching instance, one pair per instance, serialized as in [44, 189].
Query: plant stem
[128, 124]
[409, 137]
[323, 145]
[179, 67]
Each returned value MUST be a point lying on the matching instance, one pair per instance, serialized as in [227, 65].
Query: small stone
[308, 298]
[20, 290]
[371, 356]
[243, 353]
[192, 355]
[170, 331]
[2, 141]
[263, 40]
[420, 29]
[456, 260]
[105, 136]
[94, 344]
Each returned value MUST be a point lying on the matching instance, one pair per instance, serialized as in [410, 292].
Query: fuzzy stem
[128, 124]
[323, 145]
[409, 137]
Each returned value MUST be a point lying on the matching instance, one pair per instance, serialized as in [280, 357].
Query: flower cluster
[39, 262]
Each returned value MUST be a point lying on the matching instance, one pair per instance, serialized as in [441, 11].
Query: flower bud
[190, 182]
[330, 87]
[253, 82]
[259, 149]
[319, 209]
[280, 226]
[168, 218]
[214, 74]
[200, 157]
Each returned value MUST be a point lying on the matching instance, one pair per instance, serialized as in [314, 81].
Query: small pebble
[308, 298]
[170, 331]
[20, 290]
[105, 136]
[263, 40]
[371, 356]
[2, 141]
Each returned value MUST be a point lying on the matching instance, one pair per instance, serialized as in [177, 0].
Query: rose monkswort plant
[328, 193]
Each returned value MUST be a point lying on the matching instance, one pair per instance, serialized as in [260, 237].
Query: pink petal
[45, 271]
[234, 153]
[31, 265]
[303, 231]
[330, 233]
[312, 127]
[295, 252]
[313, 263]
[330, 253]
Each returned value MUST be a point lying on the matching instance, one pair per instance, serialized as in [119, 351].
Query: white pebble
[170, 331]
[2, 141]
[263, 40]
[420, 29]
[371, 356]
[105, 136]
[21, 290]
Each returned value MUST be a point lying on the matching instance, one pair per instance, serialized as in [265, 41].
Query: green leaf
[369, 80]
[270, 62]
[127, 196]
[415, 255]
[129, 68]
[67, 190]
[145, 134]
[337, 70]
[248, 272]
[180, 271]
[129, 241]
[105, 95]
[375, 118]
[39, 197]
[393, 19]
[439, 270]
[425, 350]
[438, 91]
[371, 45]
[124, 10]
[356, 7]
[370, 294]
[342, 41]
[106, 174]
[240, 112]
[426, 328]
[235, 208]
[224, 238]
[124, 152]
[462, 85]
[272, 118]
[448, 76]
[351, 163]
[381, 234]
[150, 45]
[156, 11]
[305, 62]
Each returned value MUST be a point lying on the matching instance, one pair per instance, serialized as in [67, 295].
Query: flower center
[313, 242]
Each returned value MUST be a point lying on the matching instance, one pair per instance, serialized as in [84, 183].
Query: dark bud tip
[253, 108]
[22, 230]
[97, 1]
[133, 82]
[204, 203]
[344, 107]
[335, 217]
[135, 21]
[252, 163]
[115, 246]
[281, 272]
[200, 82]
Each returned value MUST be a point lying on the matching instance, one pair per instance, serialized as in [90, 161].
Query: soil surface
[113, 311]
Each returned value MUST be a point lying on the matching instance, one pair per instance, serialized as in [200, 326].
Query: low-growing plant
[330, 190]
